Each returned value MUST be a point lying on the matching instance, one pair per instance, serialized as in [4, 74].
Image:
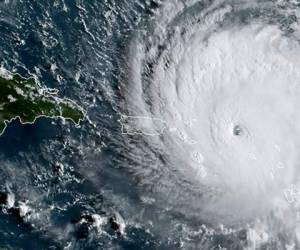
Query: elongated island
[24, 99]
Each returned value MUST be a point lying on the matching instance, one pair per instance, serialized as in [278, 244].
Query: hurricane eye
[237, 130]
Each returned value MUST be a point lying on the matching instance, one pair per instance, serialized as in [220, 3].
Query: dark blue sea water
[71, 46]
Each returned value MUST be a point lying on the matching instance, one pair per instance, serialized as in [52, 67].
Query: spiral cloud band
[214, 89]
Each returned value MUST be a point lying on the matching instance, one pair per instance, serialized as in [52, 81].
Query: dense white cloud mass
[245, 78]
[228, 89]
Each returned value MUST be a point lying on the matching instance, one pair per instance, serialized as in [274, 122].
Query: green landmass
[22, 98]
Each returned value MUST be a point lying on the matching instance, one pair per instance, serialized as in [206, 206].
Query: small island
[22, 98]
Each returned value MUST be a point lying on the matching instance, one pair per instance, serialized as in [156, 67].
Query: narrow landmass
[142, 125]
[22, 98]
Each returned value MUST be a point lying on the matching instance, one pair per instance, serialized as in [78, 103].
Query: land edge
[161, 131]
[46, 92]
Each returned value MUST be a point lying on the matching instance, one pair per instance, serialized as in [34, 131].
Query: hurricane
[211, 95]
[185, 132]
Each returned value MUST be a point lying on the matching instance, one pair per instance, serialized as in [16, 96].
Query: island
[22, 98]
[142, 125]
